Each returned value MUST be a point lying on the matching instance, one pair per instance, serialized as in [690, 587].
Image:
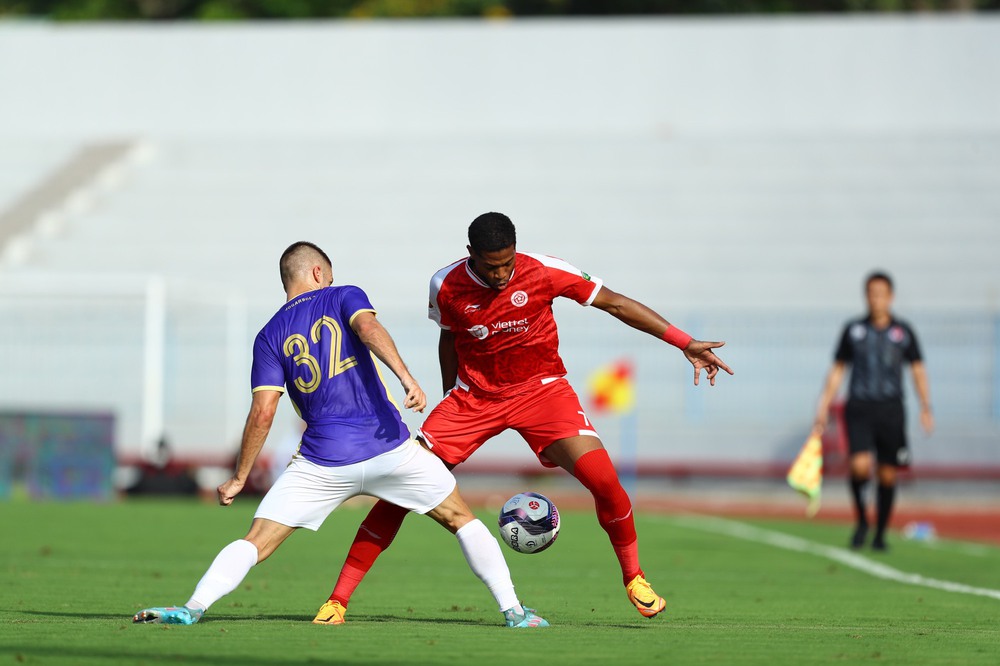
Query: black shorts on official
[878, 425]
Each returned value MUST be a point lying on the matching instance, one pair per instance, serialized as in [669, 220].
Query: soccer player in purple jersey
[320, 347]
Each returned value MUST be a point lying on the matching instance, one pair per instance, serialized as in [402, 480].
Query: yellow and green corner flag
[806, 473]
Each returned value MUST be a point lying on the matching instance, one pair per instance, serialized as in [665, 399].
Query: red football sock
[614, 509]
[375, 535]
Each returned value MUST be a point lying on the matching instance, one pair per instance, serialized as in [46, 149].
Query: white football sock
[483, 554]
[228, 570]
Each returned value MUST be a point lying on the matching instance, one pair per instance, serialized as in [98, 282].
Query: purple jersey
[309, 347]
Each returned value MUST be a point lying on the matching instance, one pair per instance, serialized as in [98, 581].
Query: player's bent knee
[453, 513]
[266, 536]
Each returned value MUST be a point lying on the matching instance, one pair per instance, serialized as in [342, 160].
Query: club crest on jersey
[896, 334]
[480, 332]
[519, 298]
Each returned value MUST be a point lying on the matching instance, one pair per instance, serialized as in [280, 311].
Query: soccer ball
[529, 522]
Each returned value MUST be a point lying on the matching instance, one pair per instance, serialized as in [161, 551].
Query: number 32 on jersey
[297, 346]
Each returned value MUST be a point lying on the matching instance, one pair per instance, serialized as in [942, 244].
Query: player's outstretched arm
[378, 340]
[262, 409]
[630, 311]
[645, 319]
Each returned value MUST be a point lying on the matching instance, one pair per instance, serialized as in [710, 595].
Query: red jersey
[506, 339]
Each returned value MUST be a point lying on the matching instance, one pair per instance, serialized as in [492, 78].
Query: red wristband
[676, 337]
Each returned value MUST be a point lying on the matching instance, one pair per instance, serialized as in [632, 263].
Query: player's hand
[927, 421]
[701, 356]
[415, 398]
[229, 490]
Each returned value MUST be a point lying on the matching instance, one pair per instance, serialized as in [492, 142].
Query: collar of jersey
[479, 280]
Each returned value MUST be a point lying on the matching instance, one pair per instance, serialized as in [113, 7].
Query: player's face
[494, 268]
[879, 296]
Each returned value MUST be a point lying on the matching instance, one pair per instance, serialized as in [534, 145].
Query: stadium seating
[756, 236]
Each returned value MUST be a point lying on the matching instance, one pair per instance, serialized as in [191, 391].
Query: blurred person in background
[876, 347]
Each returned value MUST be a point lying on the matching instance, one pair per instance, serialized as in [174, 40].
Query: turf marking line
[847, 558]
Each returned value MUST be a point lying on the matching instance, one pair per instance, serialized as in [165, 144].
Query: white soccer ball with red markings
[529, 522]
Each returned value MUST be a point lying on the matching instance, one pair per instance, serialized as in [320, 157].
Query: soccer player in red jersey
[500, 367]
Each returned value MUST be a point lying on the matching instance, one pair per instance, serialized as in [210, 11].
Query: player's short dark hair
[287, 264]
[879, 275]
[491, 232]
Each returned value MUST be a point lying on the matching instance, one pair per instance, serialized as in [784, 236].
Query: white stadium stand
[743, 200]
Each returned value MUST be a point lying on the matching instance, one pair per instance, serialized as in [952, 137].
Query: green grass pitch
[72, 575]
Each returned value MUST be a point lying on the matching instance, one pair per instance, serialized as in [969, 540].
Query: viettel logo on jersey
[480, 332]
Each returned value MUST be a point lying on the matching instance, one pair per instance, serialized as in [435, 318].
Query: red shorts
[462, 422]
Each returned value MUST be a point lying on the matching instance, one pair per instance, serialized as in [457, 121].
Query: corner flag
[612, 391]
[611, 388]
[806, 473]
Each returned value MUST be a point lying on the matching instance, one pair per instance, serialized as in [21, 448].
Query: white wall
[661, 76]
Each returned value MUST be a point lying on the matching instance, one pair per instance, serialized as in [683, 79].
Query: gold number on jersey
[297, 347]
[337, 365]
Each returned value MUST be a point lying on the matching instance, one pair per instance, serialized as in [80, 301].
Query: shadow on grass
[214, 618]
[81, 654]
[359, 619]
[376, 619]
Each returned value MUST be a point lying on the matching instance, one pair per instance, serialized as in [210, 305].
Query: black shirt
[877, 357]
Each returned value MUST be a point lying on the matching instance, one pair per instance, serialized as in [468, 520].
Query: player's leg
[892, 452]
[226, 572]
[586, 459]
[485, 558]
[303, 496]
[235, 561]
[423, 484]
[860, 465]
[860, 441]
[558, 430]
[375, 534]
[884, 500]
[454, 429]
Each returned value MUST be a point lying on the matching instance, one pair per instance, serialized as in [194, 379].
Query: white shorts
[409, 476]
